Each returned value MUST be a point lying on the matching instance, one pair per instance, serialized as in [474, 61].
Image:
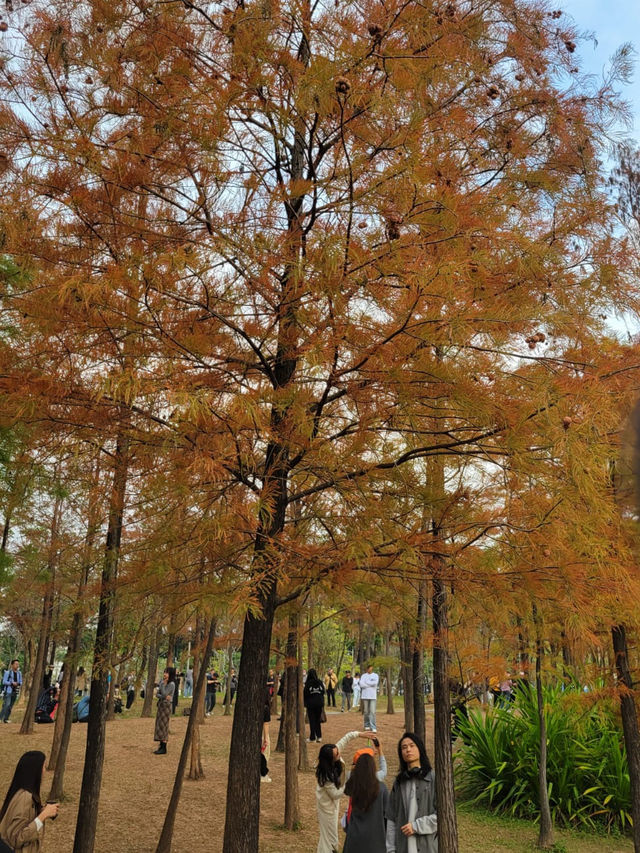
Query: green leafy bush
[587, 773]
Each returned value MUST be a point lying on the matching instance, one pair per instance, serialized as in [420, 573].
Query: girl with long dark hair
[165, 706]
[367, 808]
[412, 819]
[22, 815]
[330, 775]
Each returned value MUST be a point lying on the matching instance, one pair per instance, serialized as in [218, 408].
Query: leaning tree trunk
[166, 836]
[149, 688]
[629, 725]
[96, 728]
[45, 625]
[545, 836]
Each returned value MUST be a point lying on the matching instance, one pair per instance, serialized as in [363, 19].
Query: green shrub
[587, 773]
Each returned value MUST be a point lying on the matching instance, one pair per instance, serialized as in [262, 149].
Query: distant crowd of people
[402, 820]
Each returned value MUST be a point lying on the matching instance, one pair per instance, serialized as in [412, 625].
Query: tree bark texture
[545, 835]
[289, 707]
[45, 625]
[96, 728]
[154, 648]
[241, 831]
[629, 714]
[447, 822]
[407, 678]
[389, 674]
[417, 661]
[303, 757]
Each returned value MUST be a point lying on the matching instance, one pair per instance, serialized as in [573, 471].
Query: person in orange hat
[365, 824]
[330, 777]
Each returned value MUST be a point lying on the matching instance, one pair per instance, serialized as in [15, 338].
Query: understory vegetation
[588, 776]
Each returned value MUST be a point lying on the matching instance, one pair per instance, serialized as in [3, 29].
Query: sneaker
[319, 740]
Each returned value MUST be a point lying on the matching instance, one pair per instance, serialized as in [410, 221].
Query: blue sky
[613, 22]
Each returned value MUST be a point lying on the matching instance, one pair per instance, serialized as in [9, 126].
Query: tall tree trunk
[144, 657]
[280, 743]
[629, 714]
[388, 673]
[62, 731]
[303, 757]
[227, 704]
[241, 831]
[111, 692]
[407, 678]
[545, 836]
[45, 625]
[417, 660]
[166, 836]
[196, 771]
[65, 706]
[149, 688]
[289, 705]
[96, 728]
[447, 824]
[310, 649]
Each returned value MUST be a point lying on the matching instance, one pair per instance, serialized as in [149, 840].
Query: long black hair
[327, 769]
[171, 672]
[363, 786]
[27, 777]
[425, 764]
[312, 677]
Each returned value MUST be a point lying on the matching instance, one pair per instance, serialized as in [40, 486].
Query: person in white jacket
[330, 776]
[356, 690]
[368, 697]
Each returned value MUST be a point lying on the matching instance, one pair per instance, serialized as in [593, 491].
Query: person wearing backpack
[11, 686]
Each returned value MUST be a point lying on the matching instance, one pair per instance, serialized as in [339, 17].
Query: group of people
[316, 689]
[376, 820]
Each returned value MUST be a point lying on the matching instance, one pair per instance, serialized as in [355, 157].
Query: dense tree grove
[305, 324]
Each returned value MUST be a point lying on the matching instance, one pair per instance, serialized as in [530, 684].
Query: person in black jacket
[346, 689]
[314, 703]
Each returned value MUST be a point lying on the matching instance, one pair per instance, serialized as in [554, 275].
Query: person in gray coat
[412, 820]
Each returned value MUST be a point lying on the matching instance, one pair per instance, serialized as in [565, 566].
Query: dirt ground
[136, 787]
